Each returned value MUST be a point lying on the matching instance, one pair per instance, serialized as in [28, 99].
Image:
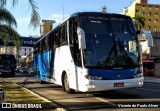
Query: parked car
[23, 70]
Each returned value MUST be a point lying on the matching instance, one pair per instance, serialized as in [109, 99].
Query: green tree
[8, 22]
[139, 20]
[35, 17]
[7, 26]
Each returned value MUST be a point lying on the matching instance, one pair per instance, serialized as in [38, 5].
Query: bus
[90, 51]
[8, 64]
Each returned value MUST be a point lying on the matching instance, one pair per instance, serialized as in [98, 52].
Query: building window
[156, 8]
[149, 27]
[155, 29]
[149, 20]
[143, 14]
[126, 11]
[150, 14]
[143, 7]
[150, 8]
[156, 15]
[137, 10]
[155, 21]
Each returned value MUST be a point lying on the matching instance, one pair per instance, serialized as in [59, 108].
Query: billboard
[26, 41]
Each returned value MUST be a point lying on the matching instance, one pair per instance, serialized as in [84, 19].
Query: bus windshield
[110, 42]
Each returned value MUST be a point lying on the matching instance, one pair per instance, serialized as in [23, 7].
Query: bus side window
[57, 38]
[36, 49]
[50, 41]
[44, 45]
[64, 34]
[41, 46]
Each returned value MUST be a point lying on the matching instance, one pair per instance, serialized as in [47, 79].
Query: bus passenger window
[64, 34]
[57, 39]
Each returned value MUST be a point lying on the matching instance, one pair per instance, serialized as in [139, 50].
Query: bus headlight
[90, 77]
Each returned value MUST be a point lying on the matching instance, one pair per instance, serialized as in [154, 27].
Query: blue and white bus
[90, 51]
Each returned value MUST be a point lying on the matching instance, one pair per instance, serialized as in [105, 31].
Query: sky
[61, 9]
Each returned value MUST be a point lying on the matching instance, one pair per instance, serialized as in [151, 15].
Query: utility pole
[63, 12]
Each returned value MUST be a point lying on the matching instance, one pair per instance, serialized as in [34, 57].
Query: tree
[35, 17]
[8, 22]
[7, 27]
[139, 20]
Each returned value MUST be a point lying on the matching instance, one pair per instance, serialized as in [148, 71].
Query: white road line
[103, 100]
[149, 89]
[152, 83]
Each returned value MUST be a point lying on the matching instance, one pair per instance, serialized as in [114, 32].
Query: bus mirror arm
[81, 38]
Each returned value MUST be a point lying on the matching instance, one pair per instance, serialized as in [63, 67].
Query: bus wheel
[67, 89]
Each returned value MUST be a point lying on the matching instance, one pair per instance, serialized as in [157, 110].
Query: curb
[58, 107]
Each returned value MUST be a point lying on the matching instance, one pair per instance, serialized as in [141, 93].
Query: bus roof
[100, 14]
[86, 14]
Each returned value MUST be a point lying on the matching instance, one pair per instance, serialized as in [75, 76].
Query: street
[147, 96]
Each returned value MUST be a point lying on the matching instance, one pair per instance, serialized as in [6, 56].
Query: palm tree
[139, 21]
[35, 17]
[7, 26]
[8, 22]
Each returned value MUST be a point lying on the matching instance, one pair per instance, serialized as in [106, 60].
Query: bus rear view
[7, 64]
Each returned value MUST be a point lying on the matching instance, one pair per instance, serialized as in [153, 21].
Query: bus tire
[66, 87]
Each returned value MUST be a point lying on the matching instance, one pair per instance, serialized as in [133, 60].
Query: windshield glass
[110, 43]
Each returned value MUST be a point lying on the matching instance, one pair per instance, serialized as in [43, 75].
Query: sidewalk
[154, 80]
[21, 98]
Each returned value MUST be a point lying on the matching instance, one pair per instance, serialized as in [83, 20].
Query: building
[9, 48]
[46, 26]
[151, 12]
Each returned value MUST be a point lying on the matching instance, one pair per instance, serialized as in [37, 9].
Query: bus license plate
[118, 84]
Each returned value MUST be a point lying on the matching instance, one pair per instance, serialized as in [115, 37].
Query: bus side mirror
[81, 38]
[144, 34]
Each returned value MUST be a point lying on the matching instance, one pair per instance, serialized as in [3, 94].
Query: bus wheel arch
[65, 83]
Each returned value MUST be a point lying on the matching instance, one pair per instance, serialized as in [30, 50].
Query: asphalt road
[145, 98]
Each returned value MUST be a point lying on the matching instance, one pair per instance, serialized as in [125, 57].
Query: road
[147, 96]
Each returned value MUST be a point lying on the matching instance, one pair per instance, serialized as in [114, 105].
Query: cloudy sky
[61, 9]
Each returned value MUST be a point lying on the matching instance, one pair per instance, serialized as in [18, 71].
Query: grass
[19, 95]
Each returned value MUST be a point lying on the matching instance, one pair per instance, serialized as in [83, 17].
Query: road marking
[103, 100]
[149, 89]
[152, 83]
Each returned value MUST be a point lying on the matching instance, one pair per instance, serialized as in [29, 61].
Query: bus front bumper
[103, 85]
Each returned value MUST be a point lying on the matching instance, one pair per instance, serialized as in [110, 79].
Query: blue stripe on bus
[44, 65]
[113, 74]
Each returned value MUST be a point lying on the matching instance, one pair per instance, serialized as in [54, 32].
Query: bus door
[75, 51]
